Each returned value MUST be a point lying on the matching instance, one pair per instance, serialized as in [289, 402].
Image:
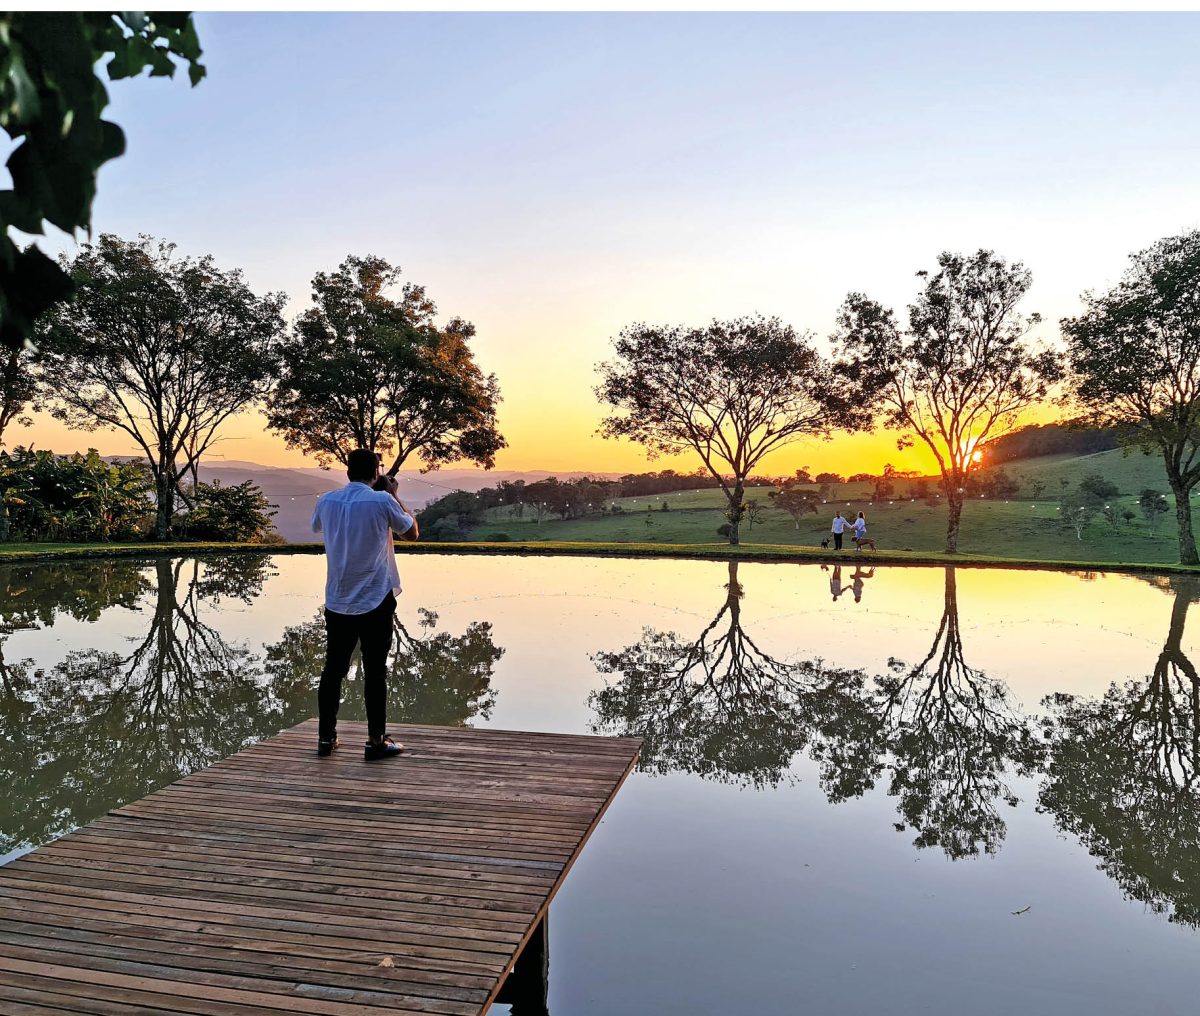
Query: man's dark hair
[361, 465]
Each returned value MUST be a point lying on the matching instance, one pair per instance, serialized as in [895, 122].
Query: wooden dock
[276, 882]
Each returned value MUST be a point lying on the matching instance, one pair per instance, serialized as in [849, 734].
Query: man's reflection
[435, 677]
[1123, 773]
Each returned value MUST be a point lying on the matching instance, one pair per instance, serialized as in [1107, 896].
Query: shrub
[499, 537]
[724, 530]
[239, 514]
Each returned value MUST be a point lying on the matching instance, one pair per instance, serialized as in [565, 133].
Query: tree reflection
[716, 705]
[1122, 774]
[435, 677]
[103, 727]
[943, 734]
[952, 736]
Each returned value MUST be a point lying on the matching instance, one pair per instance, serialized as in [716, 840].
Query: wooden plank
[276, 882]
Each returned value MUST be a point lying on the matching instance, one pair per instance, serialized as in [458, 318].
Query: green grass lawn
[1030, 529]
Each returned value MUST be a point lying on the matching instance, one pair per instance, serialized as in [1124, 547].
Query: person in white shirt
[360, 594]
[839, 527]
[860, 529]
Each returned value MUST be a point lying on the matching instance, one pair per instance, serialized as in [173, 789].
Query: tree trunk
[735, 511]
[1183, 515]
[954, 502]
[165, 493]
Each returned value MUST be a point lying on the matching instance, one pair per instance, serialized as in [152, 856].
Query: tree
[830, 478]
[51, 101]
[165, 349]
[960, 375]
[796, 501]
[1135, 362]
[1092, 497]
[1097, 488]
[1153, 505]
[21, 388]
[804, 476]
[885, 482]
[731, 393]
[367, 367]
[754, 512]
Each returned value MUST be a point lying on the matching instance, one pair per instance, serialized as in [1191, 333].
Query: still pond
[863, 790]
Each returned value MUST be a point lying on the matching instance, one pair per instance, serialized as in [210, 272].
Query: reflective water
[863, 790]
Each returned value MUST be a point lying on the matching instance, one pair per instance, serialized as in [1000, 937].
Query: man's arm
[413, 532]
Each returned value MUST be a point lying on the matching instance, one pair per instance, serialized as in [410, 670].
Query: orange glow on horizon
[542, 436]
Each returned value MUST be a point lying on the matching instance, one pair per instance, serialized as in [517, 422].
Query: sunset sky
[553, 178]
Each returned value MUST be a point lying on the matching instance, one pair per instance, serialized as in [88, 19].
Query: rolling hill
[1021, 526]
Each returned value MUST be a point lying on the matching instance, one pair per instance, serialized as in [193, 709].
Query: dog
[825, 543]
[865, 541]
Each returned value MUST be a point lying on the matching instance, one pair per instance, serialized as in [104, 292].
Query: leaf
[386, 962]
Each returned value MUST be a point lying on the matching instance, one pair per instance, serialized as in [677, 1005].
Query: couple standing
[840, 524]
[361, 584]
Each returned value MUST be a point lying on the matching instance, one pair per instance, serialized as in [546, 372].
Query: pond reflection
[434, 677]
[810, 735]
[944, 734]
[103, 727]
[714, 704]
[1122, 773]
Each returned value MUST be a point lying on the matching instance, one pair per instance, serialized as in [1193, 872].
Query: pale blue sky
[554, 177]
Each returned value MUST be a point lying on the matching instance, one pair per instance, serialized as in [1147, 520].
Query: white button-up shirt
[358, 523]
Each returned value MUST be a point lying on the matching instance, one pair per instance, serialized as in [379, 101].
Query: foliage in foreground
[72, 498]
[51, 101]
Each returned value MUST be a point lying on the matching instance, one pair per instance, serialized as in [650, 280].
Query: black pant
[342, 633]
[837, 541]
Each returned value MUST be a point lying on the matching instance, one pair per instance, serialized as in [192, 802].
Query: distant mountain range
[293, 492]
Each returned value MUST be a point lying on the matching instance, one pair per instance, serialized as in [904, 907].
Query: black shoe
[387, 748]
[325, 748]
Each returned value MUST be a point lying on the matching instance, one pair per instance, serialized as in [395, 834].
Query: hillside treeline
[452, 515]
[1069, 437]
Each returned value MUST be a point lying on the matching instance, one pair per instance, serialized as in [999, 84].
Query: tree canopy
[51, 105]
[367, 366]
[960, 374]
[162, 348]
[731, 393]
[1135, 362]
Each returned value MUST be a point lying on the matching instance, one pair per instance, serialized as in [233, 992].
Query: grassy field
[1018, 528]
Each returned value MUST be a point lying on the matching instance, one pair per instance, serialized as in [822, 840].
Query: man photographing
[360, 594]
